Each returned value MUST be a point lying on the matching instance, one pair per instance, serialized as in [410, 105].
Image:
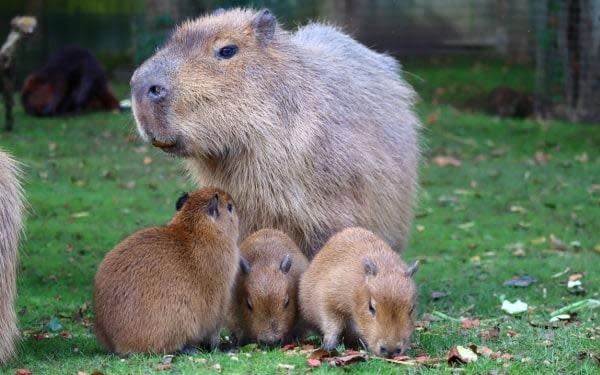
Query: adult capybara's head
[37, 95]
[385, 309]
[269, 301]
[198, 211]
[195, 95]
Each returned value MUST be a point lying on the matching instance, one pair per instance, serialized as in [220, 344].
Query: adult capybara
[11, 209]
[265, 306]
[71, 81]
[359, 286]
[165, 288]
[310, 131]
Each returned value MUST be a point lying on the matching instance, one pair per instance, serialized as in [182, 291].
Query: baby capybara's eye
[228, 52]
[230, 207]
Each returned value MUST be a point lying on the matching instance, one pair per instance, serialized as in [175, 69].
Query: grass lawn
[91, 182]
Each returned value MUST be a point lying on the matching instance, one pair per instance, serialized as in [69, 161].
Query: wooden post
[20, 26]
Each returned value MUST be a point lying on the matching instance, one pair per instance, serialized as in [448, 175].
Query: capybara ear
[263, 24]
[412, 269]
[286, 264]
[181, 201]
[213, 206]
[218, 12]
[370, 267]
[245, 265]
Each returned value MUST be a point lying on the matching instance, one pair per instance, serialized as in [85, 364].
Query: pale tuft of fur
[11, 211]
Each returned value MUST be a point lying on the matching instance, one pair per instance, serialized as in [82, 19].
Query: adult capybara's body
[164, 288]
[265, 307]
[71, 81]
[310, 131]
[11, 209]
[358, 286]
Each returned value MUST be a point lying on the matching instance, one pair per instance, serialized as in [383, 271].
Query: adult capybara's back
[310, 131]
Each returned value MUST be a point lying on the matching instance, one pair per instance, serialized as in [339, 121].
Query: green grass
[88, 187]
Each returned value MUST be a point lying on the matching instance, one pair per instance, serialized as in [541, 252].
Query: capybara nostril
[156, 93]
[383, 350]
[398, 351]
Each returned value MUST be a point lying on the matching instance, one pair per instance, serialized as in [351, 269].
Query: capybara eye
[228, 52]
[286, 302]
[249, 304]
[371, 307]
[230, 207]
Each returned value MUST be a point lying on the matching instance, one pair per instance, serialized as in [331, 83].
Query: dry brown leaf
[347, 359]
[147, 160]
[288, 347]
[542, 157]
[23, 371]
[582, 158]
[322, 353]
[446, 161]
[163, 367]
[470, 323]
[490, 334]
[461, 355]
[557, 244]
[432, 118]
[313, 362]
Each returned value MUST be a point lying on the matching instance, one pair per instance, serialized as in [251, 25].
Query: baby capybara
[265, 307]
[165, 288]
[309, 130]
[359, 285]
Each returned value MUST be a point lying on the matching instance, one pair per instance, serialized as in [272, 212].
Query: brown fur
[336, 289]
[267, 286]
[166, 287]
[310, 131]
[11, 210]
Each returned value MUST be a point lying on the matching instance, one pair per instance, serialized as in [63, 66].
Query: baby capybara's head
[206, 209]
[37, 95]
[268, 301]
[195, 95]
[385, 309]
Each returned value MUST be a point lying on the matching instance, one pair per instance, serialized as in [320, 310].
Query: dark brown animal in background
[72, 81]
[164, 288]
[310, 131]
[265, 306]
[358, 285]
[11, 211]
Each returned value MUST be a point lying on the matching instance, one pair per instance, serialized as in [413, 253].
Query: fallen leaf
[520, 281]
[542, 157]
[163, 367]
[519, 252]
[582, 158]
[435, 295]
[313, 362]
[79, 215]
[401, 358]
[514, 308]
[518, 209]
[285, 366]
[217, 367]
[490, 334]
[597, 248]
[575, 276]
[557, 244]
[322, 353]
[560, 317]
[288, 347]
[23, 371]
[461, 355]
[147, 160]
[432, 118]
[81, 373]
[347, 359]
[470, 323]
[66, 335]
[130, 185]
[593, 188]
[446, 161]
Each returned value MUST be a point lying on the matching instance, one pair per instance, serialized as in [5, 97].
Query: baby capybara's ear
[370, 267]
[286, 264]
[181, 201]
[244, 265]
[213, 206]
